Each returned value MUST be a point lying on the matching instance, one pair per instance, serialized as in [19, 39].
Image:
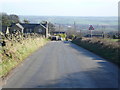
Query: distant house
[35, 28]
[26, 28]
[16, 28]
[88, 35]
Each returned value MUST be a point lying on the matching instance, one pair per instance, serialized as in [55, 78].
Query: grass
[17, 52]
[108, 49]
[114, 40]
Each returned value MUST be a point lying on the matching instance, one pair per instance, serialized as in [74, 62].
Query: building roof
[31, 25]
[17, 24]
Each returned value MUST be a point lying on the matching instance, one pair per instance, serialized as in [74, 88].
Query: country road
[63, 65]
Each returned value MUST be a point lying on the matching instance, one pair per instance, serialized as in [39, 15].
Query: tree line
[7, 20]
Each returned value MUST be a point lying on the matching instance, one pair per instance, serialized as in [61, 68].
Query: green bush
[62, 35]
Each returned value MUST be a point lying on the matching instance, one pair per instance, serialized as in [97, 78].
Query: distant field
[114, 40]
[72, 19]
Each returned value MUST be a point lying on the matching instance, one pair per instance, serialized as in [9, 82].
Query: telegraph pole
[103, 33]
[81, 33]
[74, 26]
[59, 27]
[46, 29]
[91, 33]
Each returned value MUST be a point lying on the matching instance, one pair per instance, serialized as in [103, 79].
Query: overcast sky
[60, 7]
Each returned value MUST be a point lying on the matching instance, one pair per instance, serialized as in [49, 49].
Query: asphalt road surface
[63, 65]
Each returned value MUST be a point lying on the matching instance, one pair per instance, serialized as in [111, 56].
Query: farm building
[26, 28]
[16, 28]
[34, 28]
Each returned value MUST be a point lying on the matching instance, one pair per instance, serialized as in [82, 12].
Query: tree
[14, 18]
[7, 20]
[51, 27]
[26, 21]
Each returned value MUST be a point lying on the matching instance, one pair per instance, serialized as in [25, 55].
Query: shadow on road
[103, 76]
[83, 51]
[101, 61]
[101, 79]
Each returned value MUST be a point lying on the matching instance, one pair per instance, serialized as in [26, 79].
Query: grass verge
[14, 53]
[104, 48]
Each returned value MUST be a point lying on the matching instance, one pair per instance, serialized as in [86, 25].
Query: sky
[60, 7]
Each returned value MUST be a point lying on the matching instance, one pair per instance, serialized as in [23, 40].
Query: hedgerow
[105, 48]
[15, 48]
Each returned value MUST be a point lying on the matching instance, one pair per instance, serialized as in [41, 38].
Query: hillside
[72, 19]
